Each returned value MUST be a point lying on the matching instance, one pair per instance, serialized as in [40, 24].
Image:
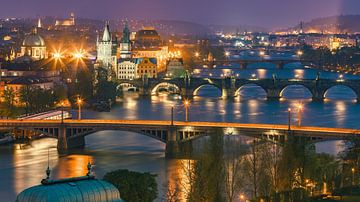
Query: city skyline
[229, 12]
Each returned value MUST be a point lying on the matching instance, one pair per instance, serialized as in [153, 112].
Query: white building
[127, 70]
[106, 50]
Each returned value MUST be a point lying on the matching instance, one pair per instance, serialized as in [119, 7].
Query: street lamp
[62, 112]
[353, 176]
[172, 115]
[299, 53]
[300, 108]
[79, 102]
[187, 105]
[289, 118]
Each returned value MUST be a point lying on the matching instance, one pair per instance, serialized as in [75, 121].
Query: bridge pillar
[186, 93]
[62, 144]
[172, 145]
[243, 65]
[143, 91]
[273, 93]
[228, 88]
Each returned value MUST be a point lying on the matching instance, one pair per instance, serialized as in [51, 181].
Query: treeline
[324, 57]
[30, 99]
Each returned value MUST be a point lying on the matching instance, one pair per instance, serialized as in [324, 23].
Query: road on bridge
[159, 123]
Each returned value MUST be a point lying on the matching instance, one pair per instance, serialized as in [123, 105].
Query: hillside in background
[333, 24]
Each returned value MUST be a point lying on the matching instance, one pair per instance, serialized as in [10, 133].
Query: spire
[39, 24]
[106, 35]
[126, 33]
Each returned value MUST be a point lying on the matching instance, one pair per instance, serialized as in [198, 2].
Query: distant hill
[333, 24]
[234, 28]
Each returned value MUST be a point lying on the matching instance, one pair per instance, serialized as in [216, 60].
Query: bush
[133, 186]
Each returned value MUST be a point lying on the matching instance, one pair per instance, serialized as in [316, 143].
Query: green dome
[73, 189]
[33, 39]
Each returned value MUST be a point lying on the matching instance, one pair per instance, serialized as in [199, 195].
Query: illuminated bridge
[231, 86]
[71, 133]
[244, 63]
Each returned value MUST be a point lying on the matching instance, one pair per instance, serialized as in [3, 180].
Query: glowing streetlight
[172, 115]
[62, 111]
[242, 197]
[79, 101]
[78, 54]
[262, 53]
[353, 176]
[187, 105]
[289, 119]
[227, 54]
[57, 56]
[197, 54]
[299, 53]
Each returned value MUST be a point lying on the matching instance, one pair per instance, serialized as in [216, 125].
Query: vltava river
[24, 165]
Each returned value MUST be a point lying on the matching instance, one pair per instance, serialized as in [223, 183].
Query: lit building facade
[127, 70]
[34, 46]
[146, 67]
[66, 22]
[106, 50]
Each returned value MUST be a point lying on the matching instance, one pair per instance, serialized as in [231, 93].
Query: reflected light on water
[24, 157]
[72, 166]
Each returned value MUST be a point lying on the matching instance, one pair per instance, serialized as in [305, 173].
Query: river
[24, 165]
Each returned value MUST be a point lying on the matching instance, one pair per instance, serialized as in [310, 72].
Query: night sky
[266, 13]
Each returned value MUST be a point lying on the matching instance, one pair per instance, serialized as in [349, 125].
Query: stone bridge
[71, 133]
[230, 86]
[279, 63]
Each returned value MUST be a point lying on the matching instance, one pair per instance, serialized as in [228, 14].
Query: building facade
[127, 70]
[146, 67]
[106, 50]
[34, 46]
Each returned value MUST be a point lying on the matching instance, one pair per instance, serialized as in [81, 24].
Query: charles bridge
[230, 86]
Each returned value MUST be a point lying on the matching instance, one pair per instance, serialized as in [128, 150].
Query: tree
[134, 186]
[9, 100]
[233, 166]
[104, 89]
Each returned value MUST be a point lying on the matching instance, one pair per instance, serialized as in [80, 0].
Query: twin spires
[106, 35]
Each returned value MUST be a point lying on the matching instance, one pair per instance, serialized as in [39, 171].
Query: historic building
[66, 22]
[127, 70]
[148, 45]
[175, 67]
[34, 46]
[106, 50]
[125, 43]
[146, 67]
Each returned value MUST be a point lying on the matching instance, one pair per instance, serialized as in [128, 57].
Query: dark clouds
[268, 13]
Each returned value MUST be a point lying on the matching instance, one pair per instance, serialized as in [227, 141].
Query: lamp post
[79, 102]
[172, 115]
[187, 105]
[353, 176]
[289, 119]
[62, 112]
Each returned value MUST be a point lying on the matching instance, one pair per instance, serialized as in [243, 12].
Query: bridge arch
[251, 87]
[126, 86]
[167, 86]
[213, 86]
[344, 92]
[299, 89]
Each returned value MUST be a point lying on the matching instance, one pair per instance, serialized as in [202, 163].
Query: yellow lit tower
[106, 50]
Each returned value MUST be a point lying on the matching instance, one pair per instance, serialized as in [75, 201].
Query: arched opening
[251, 91]
[207, 90]
[126, 87]
[165, 88]
[340, 92]
[261, 65]
[295, 92]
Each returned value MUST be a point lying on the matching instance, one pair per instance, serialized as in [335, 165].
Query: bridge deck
[158, 123]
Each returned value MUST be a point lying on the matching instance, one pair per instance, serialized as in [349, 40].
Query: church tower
[106, 50]
[125, 44]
